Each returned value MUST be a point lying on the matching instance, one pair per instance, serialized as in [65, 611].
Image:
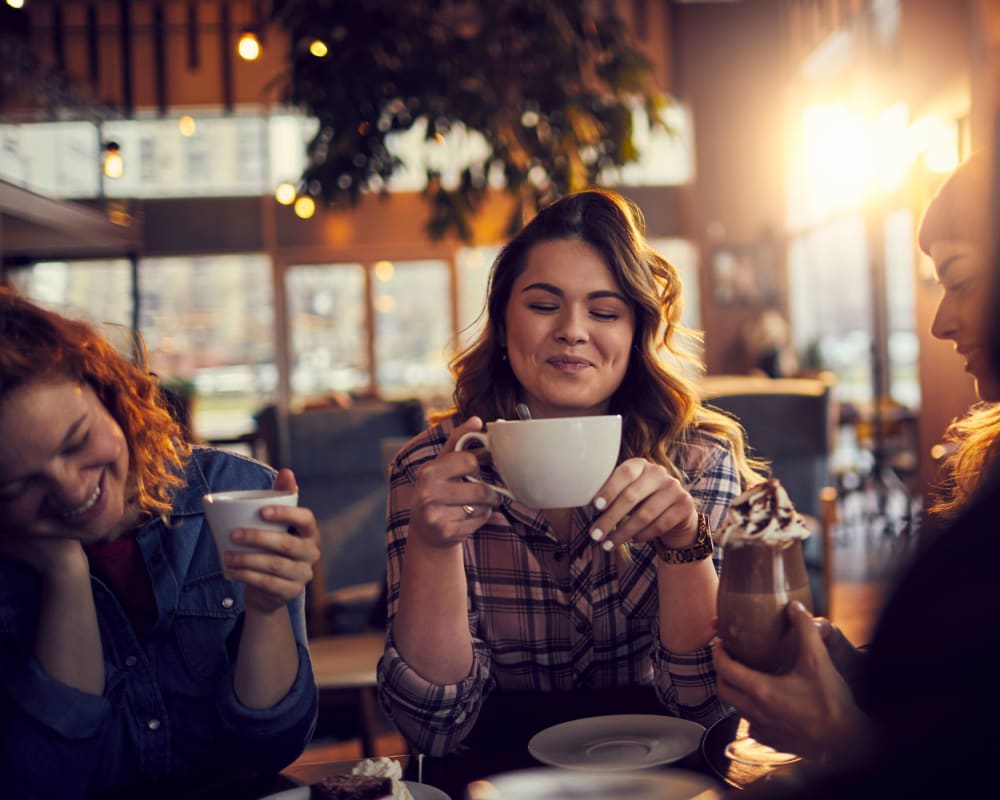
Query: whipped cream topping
[763, 513]
[384, 767]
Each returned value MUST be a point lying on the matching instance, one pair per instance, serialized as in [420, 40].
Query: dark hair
[37, 344]
[658, 405]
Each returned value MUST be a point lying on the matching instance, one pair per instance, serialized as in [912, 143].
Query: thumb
[285, 481]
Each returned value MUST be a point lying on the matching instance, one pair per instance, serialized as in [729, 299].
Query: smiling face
[961, 313]
[63, 464]
[569, 330]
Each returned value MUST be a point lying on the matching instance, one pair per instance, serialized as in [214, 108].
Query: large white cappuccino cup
[559, 462]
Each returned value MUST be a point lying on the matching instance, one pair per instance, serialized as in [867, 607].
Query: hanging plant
[550, 87]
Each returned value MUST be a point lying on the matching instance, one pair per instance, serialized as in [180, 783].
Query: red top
[119, 564]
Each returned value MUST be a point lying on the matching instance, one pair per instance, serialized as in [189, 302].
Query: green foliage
[549, 87]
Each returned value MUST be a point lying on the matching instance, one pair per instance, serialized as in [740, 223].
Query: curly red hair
[37, 344]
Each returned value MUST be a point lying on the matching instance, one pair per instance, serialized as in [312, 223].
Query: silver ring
[469, 510]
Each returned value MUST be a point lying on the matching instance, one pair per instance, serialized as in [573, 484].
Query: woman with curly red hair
[129, 652]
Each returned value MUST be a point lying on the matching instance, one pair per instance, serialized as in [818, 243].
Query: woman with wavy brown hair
[129, 652]
[489, 598]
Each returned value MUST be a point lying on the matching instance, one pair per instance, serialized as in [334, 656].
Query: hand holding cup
[266, 541]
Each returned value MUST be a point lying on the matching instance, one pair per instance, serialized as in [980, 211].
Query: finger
[471, 425]
[281, 589]
[267, 564]
[285, 481]
[280, 543]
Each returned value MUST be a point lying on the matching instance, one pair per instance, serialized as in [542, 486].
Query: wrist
[700, 548]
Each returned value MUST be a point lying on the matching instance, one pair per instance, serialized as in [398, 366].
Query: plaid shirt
[544, 615]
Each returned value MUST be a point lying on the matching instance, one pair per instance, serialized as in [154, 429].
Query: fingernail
[608, 545]
[237, 535]
[799, 608]
[600, 503]
[597, 534]
[267, 512]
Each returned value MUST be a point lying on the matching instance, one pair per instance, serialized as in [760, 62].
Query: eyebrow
[553, 289]
[71, 432]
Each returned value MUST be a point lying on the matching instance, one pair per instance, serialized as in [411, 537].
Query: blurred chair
[337, 456]
[790, 423]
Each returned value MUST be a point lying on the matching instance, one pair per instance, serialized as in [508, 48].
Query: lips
[569, 363]
[88, 509]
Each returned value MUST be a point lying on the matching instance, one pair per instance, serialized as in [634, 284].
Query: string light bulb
[285, 193]
[248, 45]
[318, 48]
[113, 164]
[305, 207]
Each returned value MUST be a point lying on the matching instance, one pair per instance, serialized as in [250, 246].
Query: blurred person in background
[917, 715]
[129, 653]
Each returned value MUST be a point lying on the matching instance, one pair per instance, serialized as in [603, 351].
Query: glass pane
[831, 304]
[904, 344]
[326, 318]
[209, 326]
[474, 264]
[413, 328]
[98, 291]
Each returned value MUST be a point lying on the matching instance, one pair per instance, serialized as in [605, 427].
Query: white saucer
[618, 742]
[546, 783]
[420, 791]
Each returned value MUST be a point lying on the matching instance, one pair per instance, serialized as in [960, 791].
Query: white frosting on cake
[763, 513]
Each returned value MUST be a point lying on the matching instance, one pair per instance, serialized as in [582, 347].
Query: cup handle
[484, 440]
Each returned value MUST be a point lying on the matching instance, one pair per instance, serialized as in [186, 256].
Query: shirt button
[153, 724]
[228, 602]
[131, 661]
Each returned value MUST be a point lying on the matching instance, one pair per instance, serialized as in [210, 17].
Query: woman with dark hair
[129, 653]
[916, 715]
[489, 597]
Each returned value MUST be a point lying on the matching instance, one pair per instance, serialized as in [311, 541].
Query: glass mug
[757, 582]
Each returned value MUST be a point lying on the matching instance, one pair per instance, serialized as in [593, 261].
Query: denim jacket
[169, 709]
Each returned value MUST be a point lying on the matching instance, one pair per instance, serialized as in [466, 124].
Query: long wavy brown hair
[37, 344]
[658, 404]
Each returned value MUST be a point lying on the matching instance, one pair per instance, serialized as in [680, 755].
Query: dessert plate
[617, 742]
[546, 783]
[420, 791]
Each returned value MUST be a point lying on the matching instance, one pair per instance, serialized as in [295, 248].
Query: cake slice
[352, 787]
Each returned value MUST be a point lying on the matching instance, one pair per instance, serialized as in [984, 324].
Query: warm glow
[384, 270]
[305, 207]
[248, 46]
[113, 165]
[937, 141]
[15, 3]
[318, 48]
[849, 156]
[186, 125]
[385, 303]
[285, 193]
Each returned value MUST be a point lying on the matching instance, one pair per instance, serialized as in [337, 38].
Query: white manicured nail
[600, 503]
[608, 545]
[597, 534]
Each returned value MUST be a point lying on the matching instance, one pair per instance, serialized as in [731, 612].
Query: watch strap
[702, 548]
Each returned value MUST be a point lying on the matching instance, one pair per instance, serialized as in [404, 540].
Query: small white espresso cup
[558, 462]
[241, 509]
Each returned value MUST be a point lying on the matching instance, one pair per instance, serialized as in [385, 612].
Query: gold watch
[703, 546]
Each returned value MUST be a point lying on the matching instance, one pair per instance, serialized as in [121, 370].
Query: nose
[945, 323]
[572, 328]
